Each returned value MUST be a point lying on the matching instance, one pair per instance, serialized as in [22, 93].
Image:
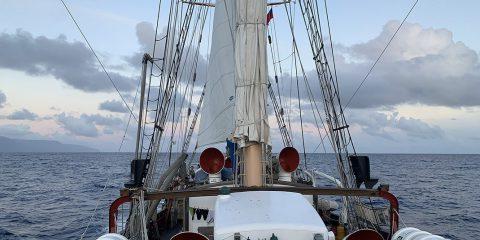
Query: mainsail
[251, 72]
[217, 119]
[251, 119]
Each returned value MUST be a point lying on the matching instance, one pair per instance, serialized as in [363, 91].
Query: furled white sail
[217, 119]
[251, 72]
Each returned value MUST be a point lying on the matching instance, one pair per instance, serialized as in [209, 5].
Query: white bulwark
[259, 215]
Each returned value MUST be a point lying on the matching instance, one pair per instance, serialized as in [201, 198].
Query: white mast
[251, 119]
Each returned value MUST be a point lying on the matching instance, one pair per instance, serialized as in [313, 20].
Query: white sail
[251, 72]
[217, 119]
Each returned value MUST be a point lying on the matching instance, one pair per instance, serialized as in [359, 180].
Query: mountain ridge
[26, 145]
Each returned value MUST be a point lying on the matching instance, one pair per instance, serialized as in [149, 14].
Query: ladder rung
[340, 128]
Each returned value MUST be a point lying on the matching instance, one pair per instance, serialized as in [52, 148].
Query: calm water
[52, 195]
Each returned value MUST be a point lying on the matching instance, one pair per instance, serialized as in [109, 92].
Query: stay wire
[129, 119]
[331, 42]
[118, 91]
[381, 54]
[313, 103]
[199, 22]
[98, 59]
[301, 119]
[163, 103]
[155, 40]
[174, 67]
[335, 73]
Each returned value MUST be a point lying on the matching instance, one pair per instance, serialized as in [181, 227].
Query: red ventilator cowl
[189, 236]
[212, 160]
[289, 159]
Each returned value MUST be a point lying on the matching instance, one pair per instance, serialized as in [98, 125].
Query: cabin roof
[265, 210]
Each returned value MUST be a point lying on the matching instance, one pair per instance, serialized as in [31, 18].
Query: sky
[422, 97]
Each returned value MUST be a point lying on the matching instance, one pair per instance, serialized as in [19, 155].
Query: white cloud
[77, 126]
[418, 128]
[411, 42]
[22, 114]
[422, 65]
[389, 125]
[113, 106]
[86, 125]
[98, 119]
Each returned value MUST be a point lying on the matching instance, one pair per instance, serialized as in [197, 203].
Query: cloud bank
[421, 66]
[388, 125]
[71, 62]
[16, 131]
[113, 106]
[86, 125]
[22, 114]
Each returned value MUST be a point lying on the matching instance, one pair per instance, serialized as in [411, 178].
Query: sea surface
[53, 195]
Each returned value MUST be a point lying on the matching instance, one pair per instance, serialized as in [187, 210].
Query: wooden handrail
[224, 190]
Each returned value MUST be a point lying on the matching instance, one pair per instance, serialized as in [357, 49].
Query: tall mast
[138, 150]
[251, 119]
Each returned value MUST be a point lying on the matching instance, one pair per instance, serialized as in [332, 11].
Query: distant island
[21, 145]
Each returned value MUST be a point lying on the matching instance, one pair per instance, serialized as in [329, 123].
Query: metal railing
[393, 209]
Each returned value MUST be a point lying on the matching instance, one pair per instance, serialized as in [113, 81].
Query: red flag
[269, 15]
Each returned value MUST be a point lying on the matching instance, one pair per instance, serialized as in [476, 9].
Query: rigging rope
[296, 57]
[129, 118]
[176, 47]
[201, 18]
[279, 111]
[301, 119]
[172, 77]
[109, 178]
[98, 59]
[337, 126]
[118, 92]
[381, 54]
[331, 42]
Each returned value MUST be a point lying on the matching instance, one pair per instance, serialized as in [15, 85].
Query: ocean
[53, 195]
